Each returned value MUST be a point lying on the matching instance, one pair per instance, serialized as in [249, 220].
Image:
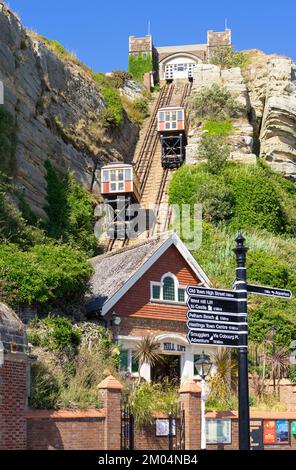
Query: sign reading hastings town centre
[215, 317]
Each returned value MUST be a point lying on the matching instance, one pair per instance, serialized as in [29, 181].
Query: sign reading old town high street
[213, 293]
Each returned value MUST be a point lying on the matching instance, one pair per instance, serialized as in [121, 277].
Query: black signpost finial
[243, 386]
[240, 250]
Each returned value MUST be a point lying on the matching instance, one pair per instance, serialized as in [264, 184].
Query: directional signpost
[270, 291]
[218, 317]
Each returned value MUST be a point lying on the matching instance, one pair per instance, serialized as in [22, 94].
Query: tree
[215, 150]
[148, 350]
[225, 367]
[215, 102]
[278, 361]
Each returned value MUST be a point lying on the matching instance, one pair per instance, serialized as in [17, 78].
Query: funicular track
[151, 139]
[163, 215]
[148, 162]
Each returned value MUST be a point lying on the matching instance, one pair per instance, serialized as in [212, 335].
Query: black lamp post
[243, 383]
[203, 367]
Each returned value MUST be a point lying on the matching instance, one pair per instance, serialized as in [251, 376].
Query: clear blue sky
[97, 31]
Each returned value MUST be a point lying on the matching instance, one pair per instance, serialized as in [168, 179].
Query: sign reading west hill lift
[214, 318]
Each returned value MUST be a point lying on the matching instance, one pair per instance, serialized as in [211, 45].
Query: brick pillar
[110, 394]
[13, 402]
[190, 399]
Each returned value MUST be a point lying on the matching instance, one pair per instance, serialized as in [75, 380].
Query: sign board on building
[256, 434]
[218, 431]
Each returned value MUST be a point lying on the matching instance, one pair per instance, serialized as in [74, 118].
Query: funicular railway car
[172, 130]
[120, 189]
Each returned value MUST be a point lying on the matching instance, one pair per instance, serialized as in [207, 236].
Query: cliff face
[56, 105]
[266, 90]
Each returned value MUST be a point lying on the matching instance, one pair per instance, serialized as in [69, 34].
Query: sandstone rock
[132, 90]
[56, 105]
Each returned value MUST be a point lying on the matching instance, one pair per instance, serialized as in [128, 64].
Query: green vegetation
[43, 274]
[214, 103]
[137, 110]
[149, 398]
[215, 150]
[251, 198]
[70, 211]
[7, 142]
[292, 373]
[112, 115]
[226, 57]
[72, 363]
[222, 128]
[138, 66]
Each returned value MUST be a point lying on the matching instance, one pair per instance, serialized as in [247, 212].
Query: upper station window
[105, 175]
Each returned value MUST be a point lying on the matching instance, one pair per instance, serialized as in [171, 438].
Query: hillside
[63, 112]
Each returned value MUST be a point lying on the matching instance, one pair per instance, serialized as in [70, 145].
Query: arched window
[168, 288]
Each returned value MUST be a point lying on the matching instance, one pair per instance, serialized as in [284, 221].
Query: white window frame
[130, 362]
[177, 286]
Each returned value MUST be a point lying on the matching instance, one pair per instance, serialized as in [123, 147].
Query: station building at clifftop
[178, 62]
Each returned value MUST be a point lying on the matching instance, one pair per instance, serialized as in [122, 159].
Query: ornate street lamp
[203, 367]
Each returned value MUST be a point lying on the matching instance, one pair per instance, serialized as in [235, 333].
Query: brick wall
[13, 396]
[65, 430]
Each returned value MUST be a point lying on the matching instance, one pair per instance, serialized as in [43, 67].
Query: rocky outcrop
[56, 104]
[242, 138]
[266, 90]
[278, 130]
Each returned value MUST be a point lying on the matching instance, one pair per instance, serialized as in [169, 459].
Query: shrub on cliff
[44, 274]
[226, 57]
[214, 102]
[7, 142]
[215, 150]
[70, 211]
